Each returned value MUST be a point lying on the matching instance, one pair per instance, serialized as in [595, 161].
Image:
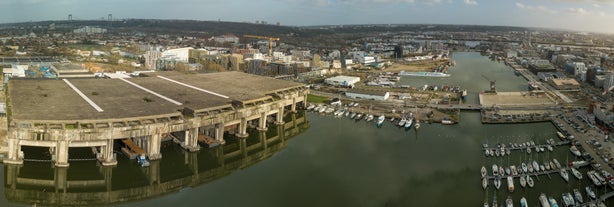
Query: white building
[347, 81]
[369, 95]
[89, 30]
[579, 68]
[226, 38]
[366, 60]
[179, 54]
[151, 57]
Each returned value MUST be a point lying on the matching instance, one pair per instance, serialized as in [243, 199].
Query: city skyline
[578, 15]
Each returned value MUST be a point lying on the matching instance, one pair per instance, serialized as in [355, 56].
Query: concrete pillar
[262, 122]
[219, 133]
[61, 153]
[12, 173]
[293, 107]
[107, 174]
[243, 128]
[60, 179]
[15, 155]
[263, 139]
[280, 116]
[243, 146]
[154, 147]
[153, 172]
[191, 140]
[108, 157]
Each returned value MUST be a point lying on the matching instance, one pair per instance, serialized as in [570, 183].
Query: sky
[579, 15]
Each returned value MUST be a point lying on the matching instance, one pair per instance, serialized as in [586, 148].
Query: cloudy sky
[582, 15]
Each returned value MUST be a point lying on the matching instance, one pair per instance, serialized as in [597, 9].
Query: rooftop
[159, 94]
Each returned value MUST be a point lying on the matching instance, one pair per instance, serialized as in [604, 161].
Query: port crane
[271, 39]
[493, 88]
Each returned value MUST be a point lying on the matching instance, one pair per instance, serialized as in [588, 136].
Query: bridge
[473, 107]
[59, 114]
[532, 78]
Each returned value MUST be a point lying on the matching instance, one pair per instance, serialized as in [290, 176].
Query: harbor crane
[493, 88]
[271, 39]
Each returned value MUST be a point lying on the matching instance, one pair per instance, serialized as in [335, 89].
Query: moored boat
[523, 202]
[380, 120]
[552, 202]
[509, 202]
[524, 167]
[402, 122]
[495, 169]
[590, 192]
[530, 181]
[484, 183]
[523, 181]
[564, 174]
[446, 121]
[578, 196]
[576, 173]
[483, 171]
[497, 182]
[543, 200]
[568, 200]
[574, 150]
[408, 123]
[556, 162]
[510, 184]
[535, 166]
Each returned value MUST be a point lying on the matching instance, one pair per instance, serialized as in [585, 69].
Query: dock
[537, 173]
[131, 149]
[560, 143]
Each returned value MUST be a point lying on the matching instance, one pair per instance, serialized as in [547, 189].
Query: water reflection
[87, 183]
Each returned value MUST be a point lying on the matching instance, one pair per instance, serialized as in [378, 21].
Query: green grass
[316, 99]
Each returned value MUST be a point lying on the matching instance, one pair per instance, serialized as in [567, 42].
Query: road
[546, 87]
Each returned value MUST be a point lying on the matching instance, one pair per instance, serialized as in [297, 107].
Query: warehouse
[346, 81]
[370, 95]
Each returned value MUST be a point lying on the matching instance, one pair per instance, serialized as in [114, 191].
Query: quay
[560, 143]
[536, 173]
[97, 113]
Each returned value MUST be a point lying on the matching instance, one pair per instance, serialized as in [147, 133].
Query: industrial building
[345, 81]
[97, 113]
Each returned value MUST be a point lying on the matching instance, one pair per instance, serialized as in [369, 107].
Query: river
[324, 161]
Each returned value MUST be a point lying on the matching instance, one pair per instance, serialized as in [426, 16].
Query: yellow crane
[271, 39]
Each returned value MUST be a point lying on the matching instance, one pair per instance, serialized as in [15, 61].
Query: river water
[316, 160]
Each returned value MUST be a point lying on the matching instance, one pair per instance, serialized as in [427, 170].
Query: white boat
[417, 124]
[600, 178]
[564, 174]
[574, 150]
[523, 181]
[352, 115]
[546, 165]
[347, 113]
[531, 168]
[542, 168]
[568, 199]
[358, 116]
[550, 148]
[509, 202]
[486, 151]
[543, 200]
[329, 110]
[501, 171]
[529, 150]
[578, 163]
[576, 173]
[523, 202]
[552, 165]
[447, 121]
[556, 162]
[370, 117]
[322, 109]
[142, 160]
[590, 192]
[408, 123]
[424, 74]
[483, 172]
[402, 122]
[508, 151]
[553, 202]
[535, 166]
[484, 183]
[380, 120]
[508, 171]
[311, 107]
[524, 167]
[514, 170]
[495, 170]
[497, 182]
[510, 184]
[530, 181]
[592, 177]
[578, 196]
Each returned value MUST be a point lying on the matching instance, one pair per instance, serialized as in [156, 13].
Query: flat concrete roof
[43, 99]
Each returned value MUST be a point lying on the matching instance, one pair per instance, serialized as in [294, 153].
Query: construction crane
[493, 89]
[271, 39]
